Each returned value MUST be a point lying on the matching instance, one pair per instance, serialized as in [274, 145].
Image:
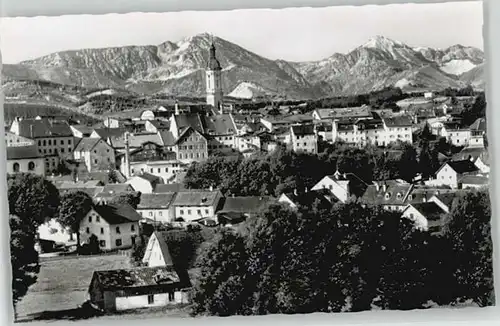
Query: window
[132, 228]
[133, 239]
[102, 230]
[117, 230]
[95, 161]
[87, 230]
[189, 212]
[102, 243]
[44, 142]
[50, 142]
[118, 242]
[199, 212]
[181, 212]
[90, 219]
[171, 296]
[159, 170]
[39, 143]
[160, 213]
[31, 166]
[151, 299]
[206, 211]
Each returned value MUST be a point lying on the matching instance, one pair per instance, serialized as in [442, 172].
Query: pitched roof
[117, 188]
[37, 128]
[342, 113]
[167, 137]
[463, 166]
[402, 121]
[152, 179]
[106, 133]
[166, 188]
[86, 144]
[307, 198]
[303, 130]
[136, 277]
[163, 238]
[117, 213]
[136, 140]
[248, 204]
[396, 192]
[84, 129]
[469, 152]
[474, 180]
[156, 201]
[189, 120]
[221, 124]
[430, 210]
[79, 184]
[23, 152]
[479, 125]
[196, 198]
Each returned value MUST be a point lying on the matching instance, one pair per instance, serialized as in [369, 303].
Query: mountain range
[179, 69]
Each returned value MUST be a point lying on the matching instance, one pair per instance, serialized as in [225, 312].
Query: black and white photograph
[247, 162]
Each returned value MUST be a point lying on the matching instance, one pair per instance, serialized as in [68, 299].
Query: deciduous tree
[74, 207]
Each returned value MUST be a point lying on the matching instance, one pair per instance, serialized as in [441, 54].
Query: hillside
[178, 69]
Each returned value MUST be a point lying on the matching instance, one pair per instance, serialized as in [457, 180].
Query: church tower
[214, 81]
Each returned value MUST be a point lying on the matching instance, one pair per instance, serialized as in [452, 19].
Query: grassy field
[63, 283]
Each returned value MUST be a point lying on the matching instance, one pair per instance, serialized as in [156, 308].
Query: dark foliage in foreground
[349, 258]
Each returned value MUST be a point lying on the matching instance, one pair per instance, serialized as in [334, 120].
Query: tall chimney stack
[127, 156]
[176, 106]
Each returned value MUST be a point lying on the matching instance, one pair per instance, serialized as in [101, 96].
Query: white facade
[30, 165]
[460, 137]
[339, 189]
[163, 215]
[307, 143]
[414, 215]
[119, 236]
[446, 176]
[165, 170]
[192, 213]
[380, 136]
[214, 88]
[13, 140]
[153, 255]
[140, 184]
[152, 300]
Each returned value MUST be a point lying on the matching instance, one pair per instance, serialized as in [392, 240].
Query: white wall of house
[446, 176]
[482, 166]
[31, 165]
[140, 184]
[108, 234]
[414, 215]
[163, 215]
[13, 140]
[341, 191]
[190, 213]
[304, 143]
[141, 301]
[153, 256]
[459, 137]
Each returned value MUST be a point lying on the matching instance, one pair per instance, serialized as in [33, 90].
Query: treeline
[284, 170]
[348, 258]
[13, 110]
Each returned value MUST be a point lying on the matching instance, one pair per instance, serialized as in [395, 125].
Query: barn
[123, 289]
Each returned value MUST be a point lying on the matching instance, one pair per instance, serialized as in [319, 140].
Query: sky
[295, 34]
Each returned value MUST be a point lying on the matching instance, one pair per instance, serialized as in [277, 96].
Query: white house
[335, 184]
[25, 159]
[144, 182]
[426, 216]
[11, 139]
[303, 138]
[451, 172]
[157, 252]
[157, 207]
[196, 205]
[95, 153]
[144, 287]
[115, 225]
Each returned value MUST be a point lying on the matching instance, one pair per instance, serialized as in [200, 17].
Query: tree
[408, 164]
[23, 258]
[74, 207]
[138, 250]
[468, 229]
[32, 199]
[133, 199]
[221, 288]
[112, 176]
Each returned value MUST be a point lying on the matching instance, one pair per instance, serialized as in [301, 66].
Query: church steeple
[214, 79]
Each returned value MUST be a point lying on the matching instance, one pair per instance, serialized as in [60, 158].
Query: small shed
[124, 289]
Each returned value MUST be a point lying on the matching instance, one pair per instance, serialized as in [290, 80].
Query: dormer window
[387, 195]
[398, 196]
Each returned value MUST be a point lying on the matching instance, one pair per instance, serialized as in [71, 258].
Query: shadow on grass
[85, 311]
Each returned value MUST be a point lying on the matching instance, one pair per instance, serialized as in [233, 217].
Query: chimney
[176, 106]
[377, 186]
[127, 157]
[384, 187]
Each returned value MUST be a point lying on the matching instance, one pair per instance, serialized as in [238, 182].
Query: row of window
[49, 142]
[186, 147]
[118, 242]
[191, 155]
[198, 211]
[151, 298]
[16, 167]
